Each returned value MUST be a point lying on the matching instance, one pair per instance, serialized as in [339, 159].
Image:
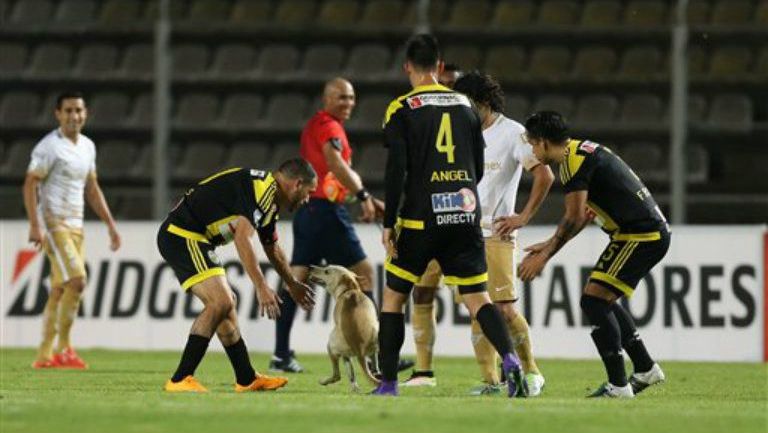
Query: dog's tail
[364, 366]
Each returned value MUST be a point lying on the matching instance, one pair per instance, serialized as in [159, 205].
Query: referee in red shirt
[322, 229]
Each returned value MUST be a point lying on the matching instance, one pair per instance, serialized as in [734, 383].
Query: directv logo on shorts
[462, 201]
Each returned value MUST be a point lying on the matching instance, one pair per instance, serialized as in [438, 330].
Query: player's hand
[369, 211]
[36, 236]
[269, 302]
[536, 248]
[388, 238]
[303, 294]
[114, 239]
[531, 266]
[379, 206]
[503, 226]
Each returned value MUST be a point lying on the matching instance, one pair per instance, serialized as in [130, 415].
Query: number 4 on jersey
[444, 142]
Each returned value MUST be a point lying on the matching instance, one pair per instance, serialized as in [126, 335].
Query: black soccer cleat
[285, 365]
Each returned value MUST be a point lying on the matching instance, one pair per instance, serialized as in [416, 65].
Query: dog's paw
[355, 388]
[329, 380]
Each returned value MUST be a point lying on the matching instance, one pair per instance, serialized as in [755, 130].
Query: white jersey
[506, 154]
[64, 168]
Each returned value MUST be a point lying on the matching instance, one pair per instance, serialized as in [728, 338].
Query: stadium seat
[382, 13]
[115, 159]
[641, 110]
[511, 14]
[596, 110]
[120, 12]
[697, 163]
[370, 163]
[761, 64]
[198, 160]
[32, 12]
[17, 159]
[338, 13]
[367, 61]
[51, 59]
[20, 108]
[600, 13]
[197, 110]
[698, 61]
[247, 154]
[143, 168]
[435, 14]
[95, 60]
[285, 110]
[594, 63]
[697, 12]
[142, 113]
[250, 12]
[277, 60]
[322, 61]
[14, 58]
[207, 11]
[469, 14]
[76, 11]
[732, 12]
[108, 109]
[282, 152]
[369, 112]
[647, 160]
[549, 62]
[505, 62]
[177, 10]
[295, 13]
[730, 111]
[730, 63]
[468, 57]
[11, 204]
[558, 13]
[138, 62]
[640, 63]
[134, 205]
[233, 61]
[560, 103]
[646, 13]
[761, 13]
[189, 60]
[697, 110]
[516, 107]
[242, 110]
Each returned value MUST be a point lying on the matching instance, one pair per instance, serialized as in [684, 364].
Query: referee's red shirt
[321, 128]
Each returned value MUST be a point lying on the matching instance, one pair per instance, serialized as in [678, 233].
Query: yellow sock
[485, 354]
[50, 316]
[521, 337]
[424, 324]
[70, 301]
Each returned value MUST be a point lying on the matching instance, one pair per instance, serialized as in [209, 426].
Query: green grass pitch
[122, 393]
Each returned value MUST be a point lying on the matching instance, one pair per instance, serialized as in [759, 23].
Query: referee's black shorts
[460, 251]
[628, 259]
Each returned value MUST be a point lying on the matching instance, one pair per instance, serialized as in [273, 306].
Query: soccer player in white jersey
[60, 177]
[506, 155]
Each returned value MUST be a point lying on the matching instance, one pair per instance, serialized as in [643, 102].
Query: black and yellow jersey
[618, 197]
[435, 159]
[208, 210]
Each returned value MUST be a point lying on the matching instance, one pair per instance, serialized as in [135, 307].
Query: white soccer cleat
[640, 381]
[535, 384]
[609, 390]
[418, 379]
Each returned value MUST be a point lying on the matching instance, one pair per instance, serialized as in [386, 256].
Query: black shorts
[628, 259]
[189, 254]
[323, 231]
[459, 250]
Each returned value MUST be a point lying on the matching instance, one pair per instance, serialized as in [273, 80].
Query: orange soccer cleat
[262, 383]
[45, 364]
[188, 384]
[68, 358]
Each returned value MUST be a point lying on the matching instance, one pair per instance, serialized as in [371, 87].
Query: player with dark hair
[505, 155]
[451, 72]
[228, 207]
[435, 160]
[594, 178]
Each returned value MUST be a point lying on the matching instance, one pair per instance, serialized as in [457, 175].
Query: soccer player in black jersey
[435, 161]
[595, 179]
[230, 206]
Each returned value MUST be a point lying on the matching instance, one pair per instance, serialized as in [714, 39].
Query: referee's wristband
[363, 195]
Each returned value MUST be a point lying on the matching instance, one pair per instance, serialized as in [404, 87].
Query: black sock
[391, 337]
[241, 363]
[369, 294]
[191, 357]
[283, 325]
[606, 336]
[495, 328]
[630, 339]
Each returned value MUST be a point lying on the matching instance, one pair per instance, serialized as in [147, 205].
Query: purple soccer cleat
[386, 387]
[516, 384]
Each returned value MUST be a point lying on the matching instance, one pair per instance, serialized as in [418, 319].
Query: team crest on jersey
[463, 200]
[588, 146]
[437, 99]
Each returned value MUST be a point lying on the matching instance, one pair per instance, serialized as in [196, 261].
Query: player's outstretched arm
[572, 223]
[542, 181]
[95, 198]
[302, 293]
[269, 302]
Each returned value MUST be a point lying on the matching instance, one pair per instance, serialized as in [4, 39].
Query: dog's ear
[347, 279]
[360, 279]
